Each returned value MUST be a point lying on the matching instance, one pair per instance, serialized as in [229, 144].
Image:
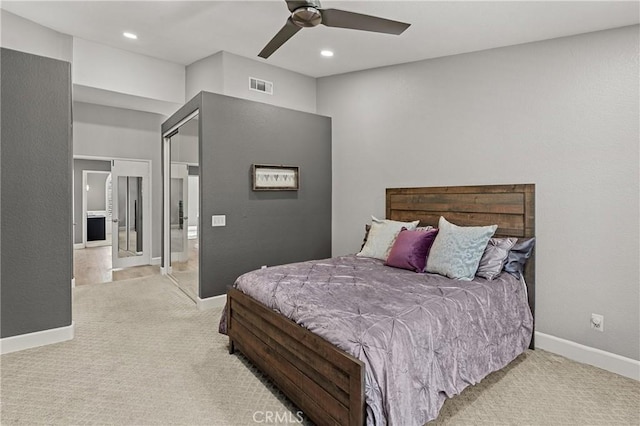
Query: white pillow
[382, 234]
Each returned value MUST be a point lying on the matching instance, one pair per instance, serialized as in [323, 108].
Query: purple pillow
[410, 249]
[518, 256]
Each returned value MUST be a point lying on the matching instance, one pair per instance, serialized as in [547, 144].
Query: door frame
[84, 211]
[152, 261]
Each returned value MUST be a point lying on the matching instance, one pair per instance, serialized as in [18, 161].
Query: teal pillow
[457, 250]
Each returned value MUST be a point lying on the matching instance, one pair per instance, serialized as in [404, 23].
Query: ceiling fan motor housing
[306, 17]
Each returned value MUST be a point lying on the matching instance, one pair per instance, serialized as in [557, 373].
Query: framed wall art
[275, 178]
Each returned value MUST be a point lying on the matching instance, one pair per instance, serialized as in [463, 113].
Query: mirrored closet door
[131, 234]
[183, 215]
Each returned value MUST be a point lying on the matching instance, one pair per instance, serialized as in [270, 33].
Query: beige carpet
[188, 282]
[143, 354]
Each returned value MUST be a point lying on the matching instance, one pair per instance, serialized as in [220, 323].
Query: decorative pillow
[457, 250]
[518, 256]
[367, 228]
[411, 249]
[381, 237]
[494, 257]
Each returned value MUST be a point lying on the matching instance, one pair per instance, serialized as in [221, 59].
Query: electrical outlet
[597, 322]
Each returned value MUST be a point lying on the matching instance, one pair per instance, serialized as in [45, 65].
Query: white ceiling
[185, 31]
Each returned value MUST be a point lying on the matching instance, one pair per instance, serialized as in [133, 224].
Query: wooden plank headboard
[511, 207]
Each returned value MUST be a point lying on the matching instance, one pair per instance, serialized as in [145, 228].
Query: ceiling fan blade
[357, 21]
[285, 33]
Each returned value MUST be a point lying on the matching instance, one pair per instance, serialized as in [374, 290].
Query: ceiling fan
[309, 13]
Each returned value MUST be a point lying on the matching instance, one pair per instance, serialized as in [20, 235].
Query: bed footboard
[326, 383]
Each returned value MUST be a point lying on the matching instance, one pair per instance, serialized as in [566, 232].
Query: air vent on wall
[260, 85]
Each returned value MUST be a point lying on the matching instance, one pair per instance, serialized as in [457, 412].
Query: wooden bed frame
[326, 383]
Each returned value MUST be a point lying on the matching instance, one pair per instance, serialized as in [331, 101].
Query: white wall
[206, 74]
[97, 193]
[228, 74]
[290, 89]
[103, 67]
[101, 131]
[23, 35]
[101, 74]
[562, 114]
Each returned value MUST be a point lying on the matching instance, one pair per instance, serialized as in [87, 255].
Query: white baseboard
[78, 246]
[156, 260]
[606, 360]
[36, 339]
[212, 302]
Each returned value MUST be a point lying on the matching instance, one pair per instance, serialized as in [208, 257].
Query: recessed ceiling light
[130, 35]
[327, 53]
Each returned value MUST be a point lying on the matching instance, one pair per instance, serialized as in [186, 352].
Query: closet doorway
[182, 205]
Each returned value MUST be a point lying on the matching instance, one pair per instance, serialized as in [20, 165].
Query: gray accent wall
[36, 260]
[263, 228]
[79, 166]
[562, 114]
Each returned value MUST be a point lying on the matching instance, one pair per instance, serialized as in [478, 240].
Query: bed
[325, 381]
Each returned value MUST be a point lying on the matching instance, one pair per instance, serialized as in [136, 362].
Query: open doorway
[97, 207]
[112, 225]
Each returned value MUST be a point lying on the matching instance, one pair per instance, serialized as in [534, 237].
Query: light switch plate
[219, 220]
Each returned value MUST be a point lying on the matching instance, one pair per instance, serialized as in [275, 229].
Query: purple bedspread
[422, 337]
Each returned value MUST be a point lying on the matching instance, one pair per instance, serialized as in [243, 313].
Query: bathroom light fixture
[132, 36]
[326, 53]
[87, 187]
